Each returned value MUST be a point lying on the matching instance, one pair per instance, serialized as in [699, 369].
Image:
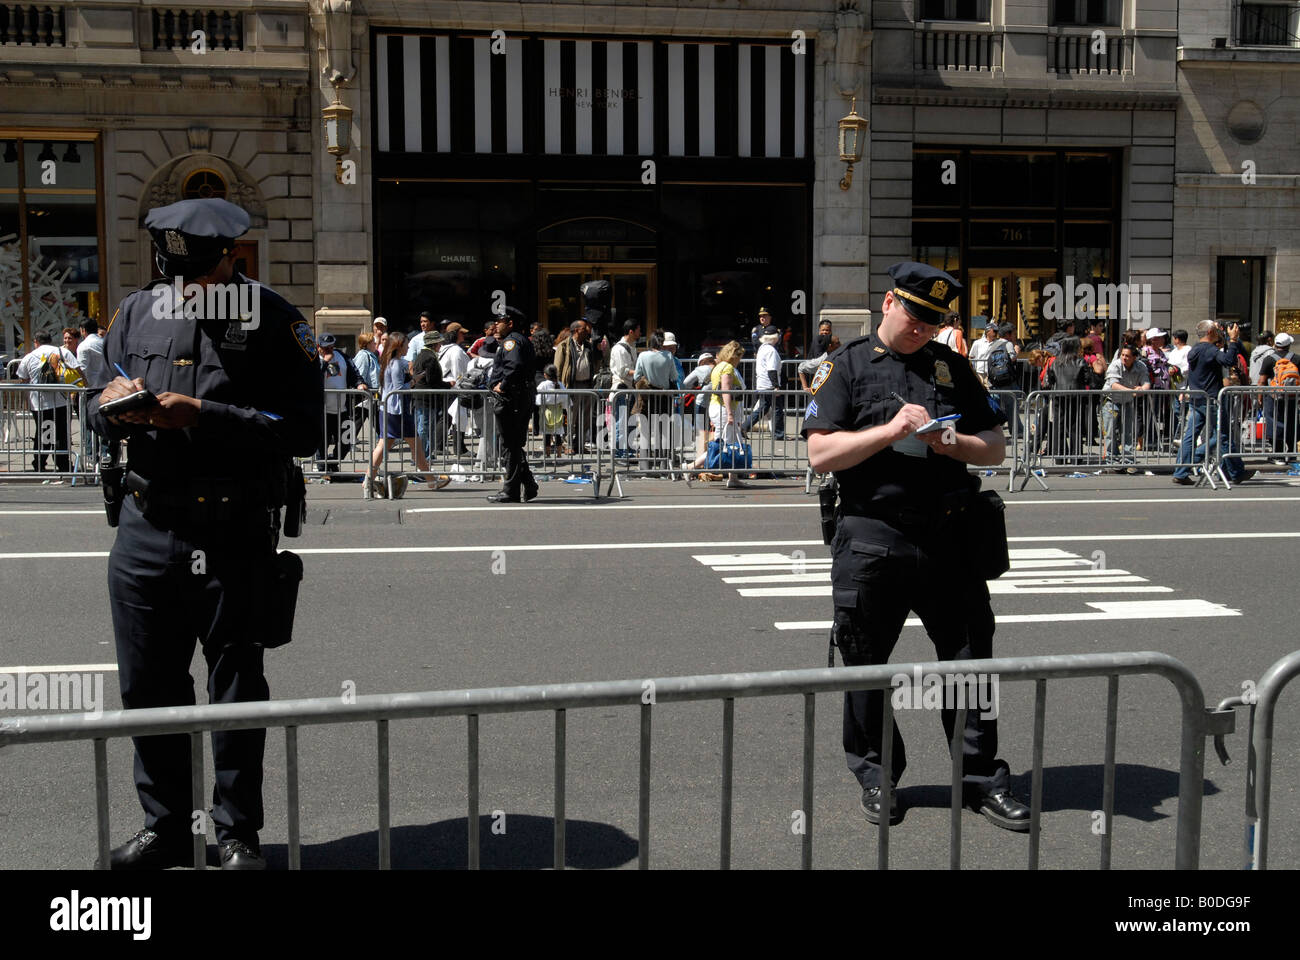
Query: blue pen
[124, 374]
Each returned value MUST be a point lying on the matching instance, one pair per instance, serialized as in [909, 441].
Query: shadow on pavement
[527, 844]
[1139, 790]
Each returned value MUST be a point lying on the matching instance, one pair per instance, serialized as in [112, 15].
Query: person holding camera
[213, 408]
[909, 517]
[1205, 365]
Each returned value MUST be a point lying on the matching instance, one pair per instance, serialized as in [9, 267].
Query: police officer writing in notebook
[234, 392]
[901, 542]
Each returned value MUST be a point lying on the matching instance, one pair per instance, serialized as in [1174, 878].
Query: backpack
[473, 380]
[54, 370]
[1001, 368]
[1285, 372]
[1042, 374]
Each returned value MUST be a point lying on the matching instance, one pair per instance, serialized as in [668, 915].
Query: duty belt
[929, 519]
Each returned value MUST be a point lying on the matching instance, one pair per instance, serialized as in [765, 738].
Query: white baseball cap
[1156, 332]
[1283, 340]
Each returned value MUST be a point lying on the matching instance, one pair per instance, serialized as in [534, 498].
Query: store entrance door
[1009, 295]
[633, 292]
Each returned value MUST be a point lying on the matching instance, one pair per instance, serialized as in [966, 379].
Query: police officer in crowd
[898, 545]
[208, 469]
[511, 380]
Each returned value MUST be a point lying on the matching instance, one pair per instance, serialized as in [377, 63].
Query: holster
[295, 502]
[113, 480]
[828, 494]
[281, 599]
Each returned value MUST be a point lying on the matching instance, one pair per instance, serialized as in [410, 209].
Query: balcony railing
[174, 29]
[1082, 54]
[31, 26]
[977, 52]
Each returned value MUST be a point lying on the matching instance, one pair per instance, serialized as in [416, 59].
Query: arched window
[202, 184]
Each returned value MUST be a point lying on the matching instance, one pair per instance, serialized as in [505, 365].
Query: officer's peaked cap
[192, 235]
[924, 291]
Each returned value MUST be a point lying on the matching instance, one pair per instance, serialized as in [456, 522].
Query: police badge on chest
[236, 337]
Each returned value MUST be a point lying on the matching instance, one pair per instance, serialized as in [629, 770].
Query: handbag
[729, 455]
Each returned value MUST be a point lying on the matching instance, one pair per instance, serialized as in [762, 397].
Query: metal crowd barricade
[1260, 422]
[348, 432]
[1262, 700]
[461, 435]
[383, 709]
[1076, 430]
[1012, 405]
[656, 433]
[52, 442]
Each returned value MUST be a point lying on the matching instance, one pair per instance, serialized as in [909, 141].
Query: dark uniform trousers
[878, 573]
[160, 607]
[512, 427]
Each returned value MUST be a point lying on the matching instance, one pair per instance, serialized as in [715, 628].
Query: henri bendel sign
[586, 97]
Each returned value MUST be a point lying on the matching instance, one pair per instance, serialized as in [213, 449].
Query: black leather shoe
[237, 855]
[1004, 810]
[871, 806]
[1185, 481]
[530, 493]
[148, 850]
[502, 497]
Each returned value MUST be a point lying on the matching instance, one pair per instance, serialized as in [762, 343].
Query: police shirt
[512, 367]
[851, 390]
[259, 380]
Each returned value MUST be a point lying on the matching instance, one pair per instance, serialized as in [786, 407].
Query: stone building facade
[503, 147]
[1237, 185]
[1024, 144]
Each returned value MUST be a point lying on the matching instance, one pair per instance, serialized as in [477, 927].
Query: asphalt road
[404, 597]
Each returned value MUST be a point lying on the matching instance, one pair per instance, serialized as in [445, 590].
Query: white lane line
[790, 505]
[1106, 610]
[64, 668]
[686, 545]
[995, 588]
[554, 506]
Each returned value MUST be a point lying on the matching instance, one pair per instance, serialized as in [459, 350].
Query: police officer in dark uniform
[902, 540]
[198, 512]
[511, 380]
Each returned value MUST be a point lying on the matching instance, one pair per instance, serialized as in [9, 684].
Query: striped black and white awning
[445, 94]
[441, 94]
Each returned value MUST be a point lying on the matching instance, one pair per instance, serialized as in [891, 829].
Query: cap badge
[939, 290]
[942, 374]
[176, 243]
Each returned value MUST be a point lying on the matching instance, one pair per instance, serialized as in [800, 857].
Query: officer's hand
[942, 442]
[120, 387]
[910, 419]
[497, 388]
[174, 412]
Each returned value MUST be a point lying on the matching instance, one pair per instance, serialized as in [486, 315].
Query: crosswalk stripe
[995, 588]
[1104, 610]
